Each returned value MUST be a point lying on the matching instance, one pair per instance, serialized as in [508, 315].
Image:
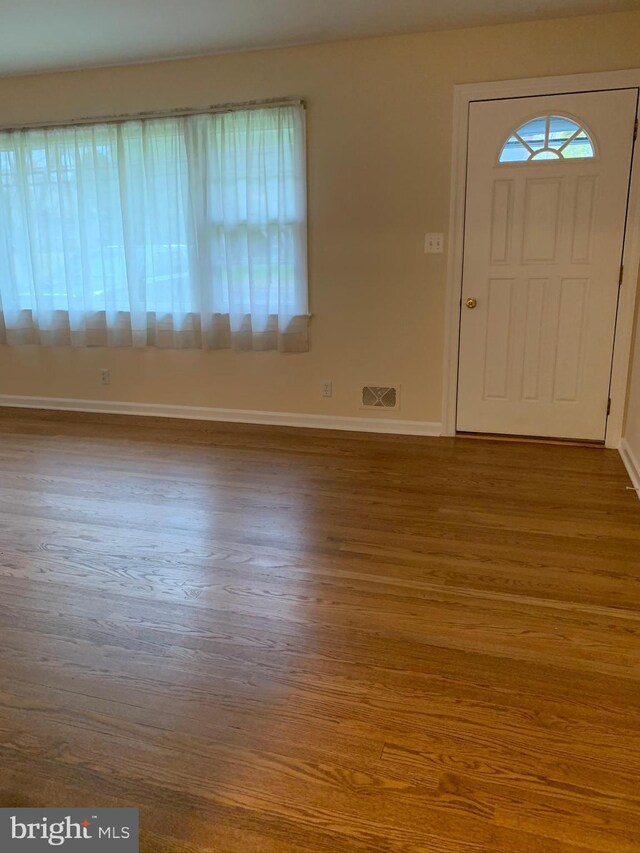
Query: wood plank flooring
[286, 641]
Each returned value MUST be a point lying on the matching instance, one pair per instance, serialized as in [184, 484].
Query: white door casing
[542, 249]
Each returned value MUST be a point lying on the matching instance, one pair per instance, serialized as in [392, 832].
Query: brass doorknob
[471, 302]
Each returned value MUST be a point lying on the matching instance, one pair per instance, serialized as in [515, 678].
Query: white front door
[547, 187]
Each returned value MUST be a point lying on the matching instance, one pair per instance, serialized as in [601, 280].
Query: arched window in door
[548, 138]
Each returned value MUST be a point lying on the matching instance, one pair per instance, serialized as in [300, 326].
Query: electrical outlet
[327, 389]
[433, 244]
[105, 376]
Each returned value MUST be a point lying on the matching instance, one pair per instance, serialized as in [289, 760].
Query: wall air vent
[380, 397]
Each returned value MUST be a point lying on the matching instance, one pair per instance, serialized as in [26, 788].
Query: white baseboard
[245, 416]
[631, 463]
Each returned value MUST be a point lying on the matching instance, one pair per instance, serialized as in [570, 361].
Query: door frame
[463, 96]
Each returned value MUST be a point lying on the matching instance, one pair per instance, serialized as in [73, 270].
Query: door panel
[541, 220]
[543, 247]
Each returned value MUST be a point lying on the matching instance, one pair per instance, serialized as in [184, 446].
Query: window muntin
[549, 137]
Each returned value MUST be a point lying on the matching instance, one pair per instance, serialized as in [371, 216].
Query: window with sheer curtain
[174, 232]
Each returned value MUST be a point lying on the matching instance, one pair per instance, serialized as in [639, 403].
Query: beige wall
[379, 127]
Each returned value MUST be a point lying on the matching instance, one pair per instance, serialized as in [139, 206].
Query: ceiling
[41, 35]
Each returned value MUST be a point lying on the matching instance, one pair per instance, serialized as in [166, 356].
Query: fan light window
[548, 138]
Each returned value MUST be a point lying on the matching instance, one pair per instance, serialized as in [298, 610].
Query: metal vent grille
[379, 397]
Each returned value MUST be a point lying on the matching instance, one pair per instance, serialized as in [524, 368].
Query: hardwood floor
[279, 640]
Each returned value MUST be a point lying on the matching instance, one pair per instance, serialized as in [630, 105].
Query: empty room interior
[320, 426]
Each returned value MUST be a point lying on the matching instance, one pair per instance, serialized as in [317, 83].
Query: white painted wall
[631, 434]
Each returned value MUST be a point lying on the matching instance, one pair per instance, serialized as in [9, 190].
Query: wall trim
[463, 95]
[391, 426]
[631, 464]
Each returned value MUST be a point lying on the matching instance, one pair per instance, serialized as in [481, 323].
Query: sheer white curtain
[172, 232]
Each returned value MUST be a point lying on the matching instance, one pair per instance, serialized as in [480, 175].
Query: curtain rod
[231, 107]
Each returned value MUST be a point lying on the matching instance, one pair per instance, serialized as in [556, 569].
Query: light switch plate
[433, 243]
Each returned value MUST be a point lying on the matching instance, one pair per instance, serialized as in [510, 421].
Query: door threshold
[530, 439]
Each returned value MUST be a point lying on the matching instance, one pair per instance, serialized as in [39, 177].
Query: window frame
[288, 302]
[532, 161]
